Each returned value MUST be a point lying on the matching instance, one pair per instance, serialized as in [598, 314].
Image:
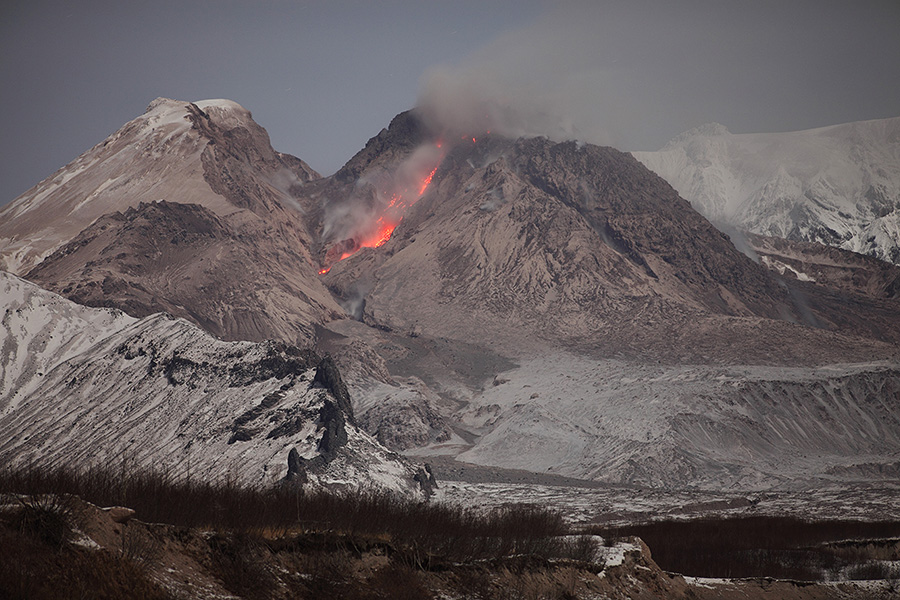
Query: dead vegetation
[193, 539]
[770, 546]
[270, 543]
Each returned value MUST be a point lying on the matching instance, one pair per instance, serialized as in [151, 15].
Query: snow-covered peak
[838, 185]
[225, 113]
[222, 104]
[156, 156]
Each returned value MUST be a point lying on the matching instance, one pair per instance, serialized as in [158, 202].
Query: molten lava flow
[381, 236]
[427, 181]
[400, 200]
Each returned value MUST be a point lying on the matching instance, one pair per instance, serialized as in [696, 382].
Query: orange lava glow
[427, 181]
[392, 213]
[381, 235]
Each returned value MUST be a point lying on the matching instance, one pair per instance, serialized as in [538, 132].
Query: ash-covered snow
[616, 505]
[39, 331]
[89, 386]
[686, 426]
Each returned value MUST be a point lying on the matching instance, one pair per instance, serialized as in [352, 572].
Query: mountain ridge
[837, 185]
[208, 155]
[159, 391]
[512, 258]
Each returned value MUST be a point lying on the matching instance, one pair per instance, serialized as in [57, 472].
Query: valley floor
[589, 502]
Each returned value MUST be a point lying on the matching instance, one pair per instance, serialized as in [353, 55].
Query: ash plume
[367, 219]
[544, 80]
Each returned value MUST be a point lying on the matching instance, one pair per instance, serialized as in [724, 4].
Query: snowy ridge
[40, 331]
[159, 393]
[837, 185]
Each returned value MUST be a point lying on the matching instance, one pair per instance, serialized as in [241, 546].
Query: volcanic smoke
[394, 194]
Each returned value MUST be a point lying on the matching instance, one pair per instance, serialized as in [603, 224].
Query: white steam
[381, 198]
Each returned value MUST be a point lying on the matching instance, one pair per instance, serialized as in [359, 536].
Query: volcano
[509, 302]
[577, 246]
[186, 209]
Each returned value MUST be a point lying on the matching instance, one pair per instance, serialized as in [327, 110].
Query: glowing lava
[411, 186]
[427, 181]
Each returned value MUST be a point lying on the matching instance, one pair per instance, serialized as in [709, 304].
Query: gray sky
[323, 77]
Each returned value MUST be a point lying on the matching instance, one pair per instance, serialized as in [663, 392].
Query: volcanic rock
[187, 210]
[580, 246]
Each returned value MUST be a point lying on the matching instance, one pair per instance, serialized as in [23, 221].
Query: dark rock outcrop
[426, 480]
[329, 377]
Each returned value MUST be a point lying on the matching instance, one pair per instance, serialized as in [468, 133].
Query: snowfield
[702, 427]
[620, 505]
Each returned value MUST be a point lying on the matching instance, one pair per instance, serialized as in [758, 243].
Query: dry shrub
[873, 569]
[239, 561]
[327, 574]
[139, 546]
[49, 518]
[29, 571]
[422, 530]
[762, 546]
[397, 582]
[475, 582]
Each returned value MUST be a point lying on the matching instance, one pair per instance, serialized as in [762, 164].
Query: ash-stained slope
[583, 246]
[839, 289]
[238, 278]
[158, 392]
[827, 266]
[668, 426]
[186, 209]
[645, 347]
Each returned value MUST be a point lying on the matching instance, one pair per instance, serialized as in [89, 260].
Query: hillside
[186, 209]
[96, 387]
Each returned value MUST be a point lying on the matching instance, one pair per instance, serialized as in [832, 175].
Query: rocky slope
[837, 185]
[186, 209]
[496, 304]
[479, 270]
[94, 386]
[580, 245]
